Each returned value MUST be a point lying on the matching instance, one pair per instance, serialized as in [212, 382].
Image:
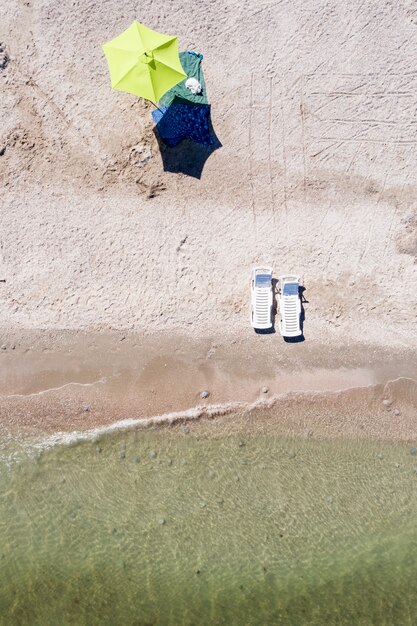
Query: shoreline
[81, 383]
[265, 416]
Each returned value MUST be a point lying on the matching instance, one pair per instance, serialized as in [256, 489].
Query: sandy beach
[114, 269]
[160, 462]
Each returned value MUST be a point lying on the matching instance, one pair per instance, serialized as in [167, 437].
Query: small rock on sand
[162, 521]
[413, 451]
[86, 408]
[204, 394]
[98, 449]
[186, 429]
[152, 454]
[397, 412]
[387, 402]
[265, 389]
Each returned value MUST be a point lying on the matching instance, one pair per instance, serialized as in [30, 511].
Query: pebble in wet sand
[169, 462]
[136, 459]
[162, 521]
[204, 394]
[152, 454]
[413, 451]
[98, 449]
[86, 408]
[186, 429]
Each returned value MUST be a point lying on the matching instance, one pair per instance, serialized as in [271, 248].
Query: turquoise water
[162, 527]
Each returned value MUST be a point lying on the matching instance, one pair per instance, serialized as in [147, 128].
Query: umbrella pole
[156, 106]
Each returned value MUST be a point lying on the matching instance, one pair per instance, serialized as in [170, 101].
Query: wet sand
[81, 382]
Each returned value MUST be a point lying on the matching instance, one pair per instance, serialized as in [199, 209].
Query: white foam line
[396, 380]
[44, 391]
[193, 413]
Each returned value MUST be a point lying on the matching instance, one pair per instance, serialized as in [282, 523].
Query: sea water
[164, 527]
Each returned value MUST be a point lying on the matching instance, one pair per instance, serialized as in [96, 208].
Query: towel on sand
[182, 120]
[191, 64]
[183, 114]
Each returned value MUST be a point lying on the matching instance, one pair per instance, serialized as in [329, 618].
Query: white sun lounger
[261, 298]
[290, 306]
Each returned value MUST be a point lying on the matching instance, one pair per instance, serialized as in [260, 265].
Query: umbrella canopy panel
[144, 62]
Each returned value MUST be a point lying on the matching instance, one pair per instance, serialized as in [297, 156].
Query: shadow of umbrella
[185, 136]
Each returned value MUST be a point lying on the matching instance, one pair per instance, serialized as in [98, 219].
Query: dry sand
[315, 106]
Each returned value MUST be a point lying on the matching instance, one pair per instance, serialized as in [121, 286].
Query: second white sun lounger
[261, 298]
[290, 306]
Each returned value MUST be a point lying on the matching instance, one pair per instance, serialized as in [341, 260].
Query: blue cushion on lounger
[263, 280]
[290, 289]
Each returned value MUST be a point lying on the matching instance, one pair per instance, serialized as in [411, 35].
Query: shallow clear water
[160, 527]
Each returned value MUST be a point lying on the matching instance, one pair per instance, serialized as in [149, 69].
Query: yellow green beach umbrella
[143, 62]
